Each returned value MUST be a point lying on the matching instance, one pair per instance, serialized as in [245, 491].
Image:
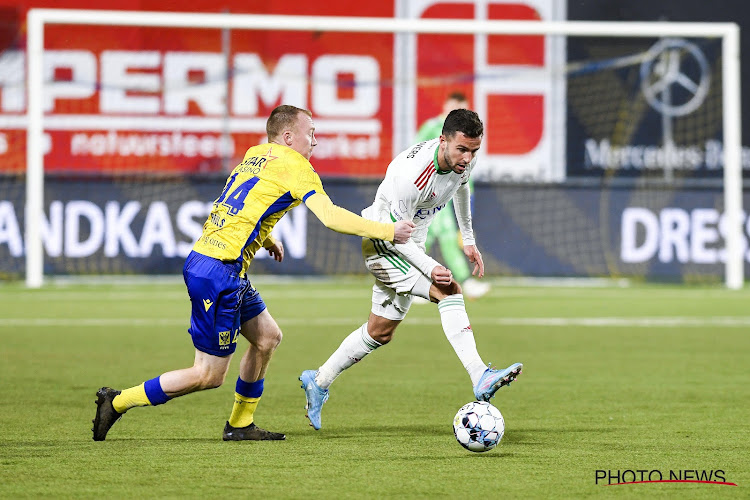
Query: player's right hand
[402, 231]
[441, 275]
[276, 251]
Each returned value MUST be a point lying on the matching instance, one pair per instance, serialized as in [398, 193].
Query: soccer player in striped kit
[443, 231]
[418, 184]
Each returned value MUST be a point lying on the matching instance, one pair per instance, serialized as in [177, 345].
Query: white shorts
[396, 280]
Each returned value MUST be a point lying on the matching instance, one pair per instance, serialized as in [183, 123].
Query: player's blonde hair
[283, 118]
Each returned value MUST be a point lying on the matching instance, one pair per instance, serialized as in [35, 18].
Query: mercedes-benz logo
[675, 67]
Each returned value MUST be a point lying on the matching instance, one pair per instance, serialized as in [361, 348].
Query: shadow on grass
[385, 430]
[530, 437]
[7, 447]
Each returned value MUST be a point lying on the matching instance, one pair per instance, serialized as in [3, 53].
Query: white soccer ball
[478, 426]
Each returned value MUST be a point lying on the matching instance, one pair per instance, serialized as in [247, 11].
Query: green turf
[641, 378]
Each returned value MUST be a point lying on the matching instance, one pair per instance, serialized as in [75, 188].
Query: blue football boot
[315, 397]
[492, 380]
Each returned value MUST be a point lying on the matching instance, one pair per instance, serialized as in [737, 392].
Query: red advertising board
[139, 100]
[515, 124]
[135, 99]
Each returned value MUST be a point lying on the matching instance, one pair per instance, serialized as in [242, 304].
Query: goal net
[610, 149]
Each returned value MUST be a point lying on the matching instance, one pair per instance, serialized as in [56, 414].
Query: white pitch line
[639, 322]
[148, 296]
[178, 292]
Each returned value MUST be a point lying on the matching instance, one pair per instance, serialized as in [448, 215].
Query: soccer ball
[478, 426]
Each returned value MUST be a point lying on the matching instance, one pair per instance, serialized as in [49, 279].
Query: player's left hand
[276, 251]
[475, 257]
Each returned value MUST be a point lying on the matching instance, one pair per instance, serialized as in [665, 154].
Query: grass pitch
[651, 378]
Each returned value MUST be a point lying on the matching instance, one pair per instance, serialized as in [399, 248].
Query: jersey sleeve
[404, 207]
[417, 257]
[306, 182]
[462, 207]
[343, 221]
[269, 242]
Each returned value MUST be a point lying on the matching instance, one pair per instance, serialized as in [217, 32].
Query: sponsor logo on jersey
[207, 304]
[423, 213]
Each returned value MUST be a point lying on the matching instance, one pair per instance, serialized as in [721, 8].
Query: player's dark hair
[282, 118]
[465, 121]
[457, 95]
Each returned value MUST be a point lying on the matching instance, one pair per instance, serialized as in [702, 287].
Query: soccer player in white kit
[418, 184]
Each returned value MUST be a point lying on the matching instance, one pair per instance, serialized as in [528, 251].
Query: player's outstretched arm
[462, 207]
[405, 208]
[343, 221]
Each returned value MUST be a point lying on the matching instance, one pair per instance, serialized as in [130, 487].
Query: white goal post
[727, 32]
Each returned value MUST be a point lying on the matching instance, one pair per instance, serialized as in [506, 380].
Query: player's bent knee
[276, 338]
[212, 380]
[381, 329]
[382, 335]
[440, 292]
[208, 376]
[269, 341]
[382, 338]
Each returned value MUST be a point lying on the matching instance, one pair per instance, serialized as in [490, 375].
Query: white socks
[458, 330]
[455, 325]
[354, 347]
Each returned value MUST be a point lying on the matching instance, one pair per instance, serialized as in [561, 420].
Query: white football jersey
[413, 189]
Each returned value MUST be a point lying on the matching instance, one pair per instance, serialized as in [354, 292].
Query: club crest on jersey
[431, 196]
[228, 338]
[224, 339]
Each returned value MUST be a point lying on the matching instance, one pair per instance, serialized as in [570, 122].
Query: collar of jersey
[435, 161]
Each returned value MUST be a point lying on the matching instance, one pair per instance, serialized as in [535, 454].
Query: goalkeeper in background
[272, 179]
[443, 227]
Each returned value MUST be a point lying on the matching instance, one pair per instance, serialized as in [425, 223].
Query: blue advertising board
[126, 227]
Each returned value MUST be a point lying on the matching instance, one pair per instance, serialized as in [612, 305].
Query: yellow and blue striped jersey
[271, 180]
